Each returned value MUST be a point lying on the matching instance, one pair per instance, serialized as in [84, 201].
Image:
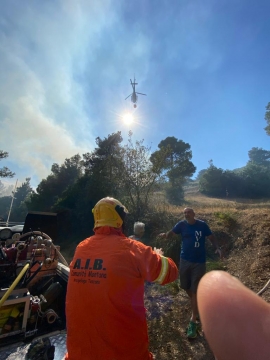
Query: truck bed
[18, 351]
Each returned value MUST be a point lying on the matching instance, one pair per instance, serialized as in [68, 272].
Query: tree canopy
[130, 172]
[251, 181]
[104, 164]
[177, 166]
[139, 175]
[133, 173]
[5, 172]
[51, 188]
[22, 194]
[259, 156]
[267, 119]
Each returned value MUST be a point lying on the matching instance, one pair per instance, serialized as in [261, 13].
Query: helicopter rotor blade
[140, 93]
[128, 97]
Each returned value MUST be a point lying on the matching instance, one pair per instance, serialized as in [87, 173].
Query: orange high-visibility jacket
[105, 296]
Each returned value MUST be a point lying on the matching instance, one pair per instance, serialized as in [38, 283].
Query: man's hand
[219, 251]
[158, 251]
[162, 235]
[166, 235]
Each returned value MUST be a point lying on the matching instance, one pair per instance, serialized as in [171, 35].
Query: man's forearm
[168, 234]
[214, 242]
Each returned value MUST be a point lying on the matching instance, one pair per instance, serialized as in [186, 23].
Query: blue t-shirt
[193, 240]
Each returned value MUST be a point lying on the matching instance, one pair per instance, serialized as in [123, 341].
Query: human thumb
[235, 320]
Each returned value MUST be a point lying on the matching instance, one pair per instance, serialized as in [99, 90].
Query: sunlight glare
[128, 119]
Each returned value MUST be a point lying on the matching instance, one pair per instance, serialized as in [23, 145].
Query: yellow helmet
[109, 212]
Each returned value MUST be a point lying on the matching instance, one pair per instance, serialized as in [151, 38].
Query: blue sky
[65, 67]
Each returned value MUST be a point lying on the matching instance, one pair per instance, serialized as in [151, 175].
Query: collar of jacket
[107, 230]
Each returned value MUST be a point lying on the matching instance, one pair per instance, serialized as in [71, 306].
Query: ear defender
[120, 210]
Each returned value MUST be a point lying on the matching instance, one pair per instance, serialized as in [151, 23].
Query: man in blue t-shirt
[192, 259]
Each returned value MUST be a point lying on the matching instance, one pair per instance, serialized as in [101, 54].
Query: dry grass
[203, 204]
[218, 212]
[226, 217]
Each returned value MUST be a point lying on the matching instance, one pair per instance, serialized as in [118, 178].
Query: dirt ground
[246, 244]
[168, 315]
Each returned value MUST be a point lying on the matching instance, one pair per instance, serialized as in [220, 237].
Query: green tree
[177, 166]
[256, 181]
[50, 189]
[124, 172]
[253, 181]
[139, 176]
[104, 164]
[4, 200]
[22, 194]
[232, 184]
[76, 204]
[5, 172]
[259, 156]
[2, 188]
[200, 174]
[4, 207]
[5, 190]
[211, 182]
[267, 119]
[101, 177]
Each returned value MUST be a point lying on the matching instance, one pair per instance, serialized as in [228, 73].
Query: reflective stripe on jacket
[105, 297]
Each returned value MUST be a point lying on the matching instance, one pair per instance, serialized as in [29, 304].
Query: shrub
[227, 218]
[215, 265]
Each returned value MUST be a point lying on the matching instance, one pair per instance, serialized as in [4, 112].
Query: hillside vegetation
[243, 230]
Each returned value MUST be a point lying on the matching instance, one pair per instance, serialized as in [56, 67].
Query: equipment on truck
[32, 294]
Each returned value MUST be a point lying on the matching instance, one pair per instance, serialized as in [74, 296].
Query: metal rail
[63, 271]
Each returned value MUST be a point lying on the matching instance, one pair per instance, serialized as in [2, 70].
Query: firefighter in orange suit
[105, 295]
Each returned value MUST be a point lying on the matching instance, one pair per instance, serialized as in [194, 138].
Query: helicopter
[134, 97]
